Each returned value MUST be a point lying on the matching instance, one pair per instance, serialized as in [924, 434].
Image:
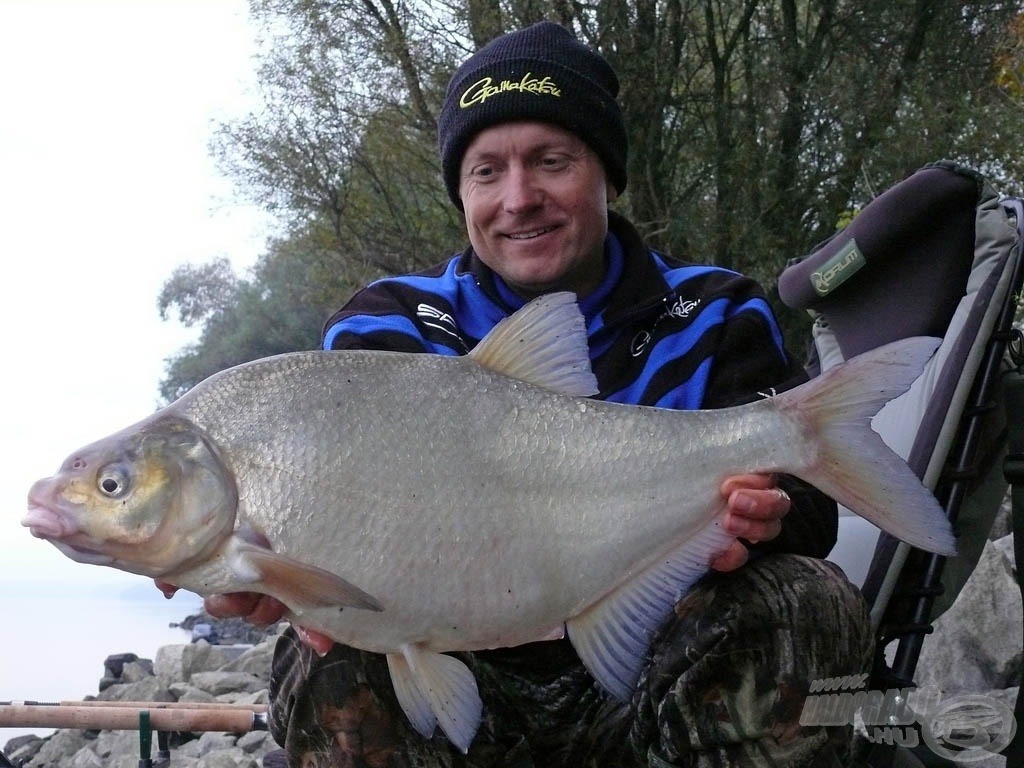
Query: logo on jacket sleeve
[435, 318]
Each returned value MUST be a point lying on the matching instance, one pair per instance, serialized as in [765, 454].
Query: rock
[113, 665]
[256, 742]
[216, 683]
[58, 749]
[147, 689]
[85, 758]
[22, 747]
[213, 742]
[254, 661]
[1003, 523]
[233, 758]
[137, 670]
[111, 743]
[977, 644]
[254, 697]
[185, 692]
[180, 662]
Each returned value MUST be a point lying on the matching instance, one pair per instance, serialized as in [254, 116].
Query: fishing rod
[122, 715]
[144, 716]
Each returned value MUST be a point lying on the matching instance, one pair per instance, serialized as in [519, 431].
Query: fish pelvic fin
[544, 343]
[298, 585]
[613, 636]
[854, 466]
[436, 689]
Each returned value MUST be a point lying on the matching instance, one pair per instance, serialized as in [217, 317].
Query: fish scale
[417, 504]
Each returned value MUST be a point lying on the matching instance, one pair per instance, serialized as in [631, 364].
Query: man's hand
[755, 506]
[258, 609]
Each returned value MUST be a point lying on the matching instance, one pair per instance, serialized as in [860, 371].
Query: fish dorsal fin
[544, 343]
[613, 636]
[436, 689]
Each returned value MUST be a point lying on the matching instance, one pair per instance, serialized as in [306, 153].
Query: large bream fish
[417, 504]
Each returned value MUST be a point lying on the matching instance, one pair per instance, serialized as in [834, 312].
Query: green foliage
[280, 308]
[755, 127]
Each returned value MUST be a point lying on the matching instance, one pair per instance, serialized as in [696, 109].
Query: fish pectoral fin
[544, 343]
[613, 636]
[299, 585]
[435, 689]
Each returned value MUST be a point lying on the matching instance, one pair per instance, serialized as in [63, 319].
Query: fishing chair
[938, 254]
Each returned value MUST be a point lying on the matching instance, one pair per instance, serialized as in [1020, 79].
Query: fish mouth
[82, 554]
[44, 523]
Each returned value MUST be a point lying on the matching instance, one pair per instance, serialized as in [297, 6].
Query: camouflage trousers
[725, 685]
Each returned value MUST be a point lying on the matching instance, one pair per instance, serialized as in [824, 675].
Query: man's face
[536, 201]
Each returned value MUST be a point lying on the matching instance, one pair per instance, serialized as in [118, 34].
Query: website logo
[964, 726]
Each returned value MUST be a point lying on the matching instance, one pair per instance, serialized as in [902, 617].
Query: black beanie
[539, 73]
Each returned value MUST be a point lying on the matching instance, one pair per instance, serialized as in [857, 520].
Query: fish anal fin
[613, 636]
[436, 689]
[544, 343]
[298, 585]
[410, 697]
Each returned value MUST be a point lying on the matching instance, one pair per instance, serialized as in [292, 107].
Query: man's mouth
[530, 234]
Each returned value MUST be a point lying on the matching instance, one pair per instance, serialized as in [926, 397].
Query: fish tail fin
[853, 465]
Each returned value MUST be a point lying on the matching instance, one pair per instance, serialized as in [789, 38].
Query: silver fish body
[417, 504]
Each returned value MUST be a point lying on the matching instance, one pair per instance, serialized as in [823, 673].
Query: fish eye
[112, 482]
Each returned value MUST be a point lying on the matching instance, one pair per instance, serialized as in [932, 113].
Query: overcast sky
[106, 185]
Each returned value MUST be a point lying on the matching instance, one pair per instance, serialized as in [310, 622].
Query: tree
[756, 126]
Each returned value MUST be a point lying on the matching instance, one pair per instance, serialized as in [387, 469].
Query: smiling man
[533, 150]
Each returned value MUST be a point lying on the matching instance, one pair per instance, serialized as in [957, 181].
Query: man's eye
[553, 162]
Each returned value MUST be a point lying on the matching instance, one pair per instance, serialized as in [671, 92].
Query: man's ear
[611, 192]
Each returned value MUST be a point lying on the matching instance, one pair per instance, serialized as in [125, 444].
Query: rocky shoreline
[236, 672]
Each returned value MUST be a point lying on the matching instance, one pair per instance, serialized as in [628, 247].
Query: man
[533, 150]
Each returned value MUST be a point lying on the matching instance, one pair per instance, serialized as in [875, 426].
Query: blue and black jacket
[661, 333]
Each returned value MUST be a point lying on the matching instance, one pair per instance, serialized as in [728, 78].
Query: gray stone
[21, 748]
[134, 671]
[58, 749]
[189, 751]
[190, 694]
[255, 660]
[112, 743]
[245, 697]
[256, 743]
[179, 662]
[85, 758]
[977, 644]
[233, 758]
[113, 665]
[217, 683]
[212, 741]
[147, 689]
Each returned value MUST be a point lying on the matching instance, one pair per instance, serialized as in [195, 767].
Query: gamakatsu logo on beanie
[485, 88]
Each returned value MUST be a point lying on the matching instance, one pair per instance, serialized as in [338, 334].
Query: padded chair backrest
[899, 268]
[931, 256]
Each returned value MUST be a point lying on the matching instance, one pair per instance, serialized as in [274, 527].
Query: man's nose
[522, 191]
